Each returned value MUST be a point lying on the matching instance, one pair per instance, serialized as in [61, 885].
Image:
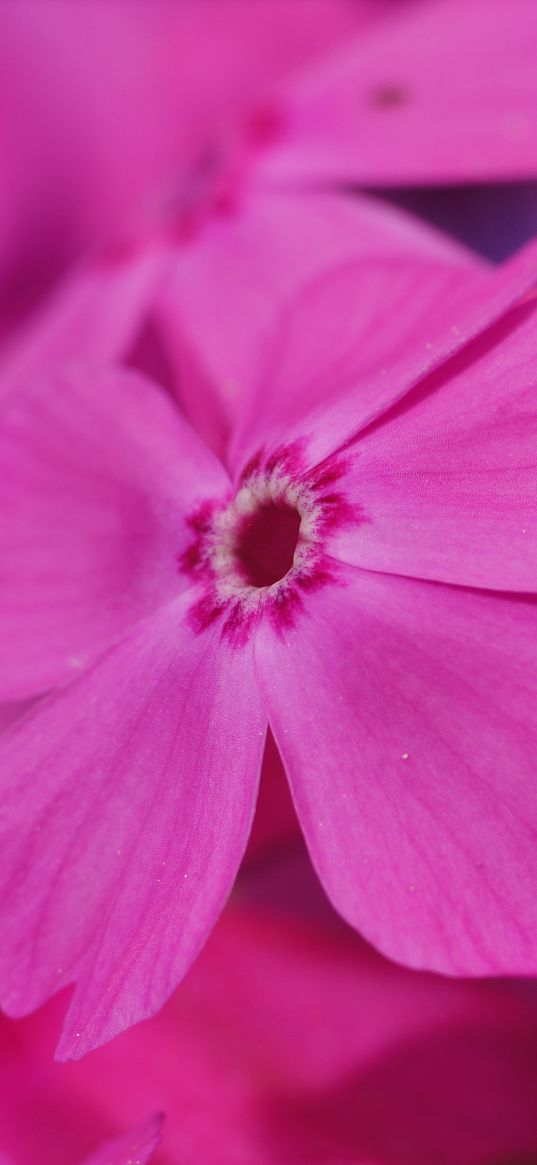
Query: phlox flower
[359, 576]
[126, 306]
[290, 1041]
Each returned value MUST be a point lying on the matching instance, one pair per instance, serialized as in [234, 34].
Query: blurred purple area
[494, 219]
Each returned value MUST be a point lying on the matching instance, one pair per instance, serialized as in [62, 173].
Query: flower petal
[134, 1148]
[95, 316]
[448, 483]
[126, 806]
[9, 713]
[439, 92]
[359, 337]
[232, 280]
[97, 471]
[405, 713]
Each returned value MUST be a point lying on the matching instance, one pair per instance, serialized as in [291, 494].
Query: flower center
[263, 537]
[259, 553]
[266, 543]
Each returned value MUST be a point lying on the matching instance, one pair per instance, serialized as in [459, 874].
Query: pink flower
[166, 307]
[340, 580]
[290, 1041]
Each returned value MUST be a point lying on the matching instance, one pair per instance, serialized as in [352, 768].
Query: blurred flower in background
[106, 109]
[105, 106]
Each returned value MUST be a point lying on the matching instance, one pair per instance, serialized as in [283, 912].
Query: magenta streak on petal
[258, 553]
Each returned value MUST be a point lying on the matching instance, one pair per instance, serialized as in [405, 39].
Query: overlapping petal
[405, 715]
[126, 806]
[441, 91]
[97, 473]
[231, 281]
[358, 338]
[448, 483]
[95, 315]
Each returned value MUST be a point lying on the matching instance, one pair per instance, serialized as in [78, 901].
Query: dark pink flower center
[266, 543]
[260, 552]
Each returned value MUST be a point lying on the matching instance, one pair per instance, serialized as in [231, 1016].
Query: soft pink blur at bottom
[290, 1043]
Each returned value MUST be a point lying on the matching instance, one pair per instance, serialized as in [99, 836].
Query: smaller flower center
[214, 182]
[266, 543]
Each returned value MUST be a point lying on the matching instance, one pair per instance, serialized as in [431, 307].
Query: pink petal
[232, 280]
[439, 92]
[127, 802]
[134, 1148]
[405, 713]
[95, 315]
[9, 713]
[97, 471]
[358, 338]
[449, 484]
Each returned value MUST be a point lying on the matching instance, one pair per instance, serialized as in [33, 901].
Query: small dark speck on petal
[388, 96]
